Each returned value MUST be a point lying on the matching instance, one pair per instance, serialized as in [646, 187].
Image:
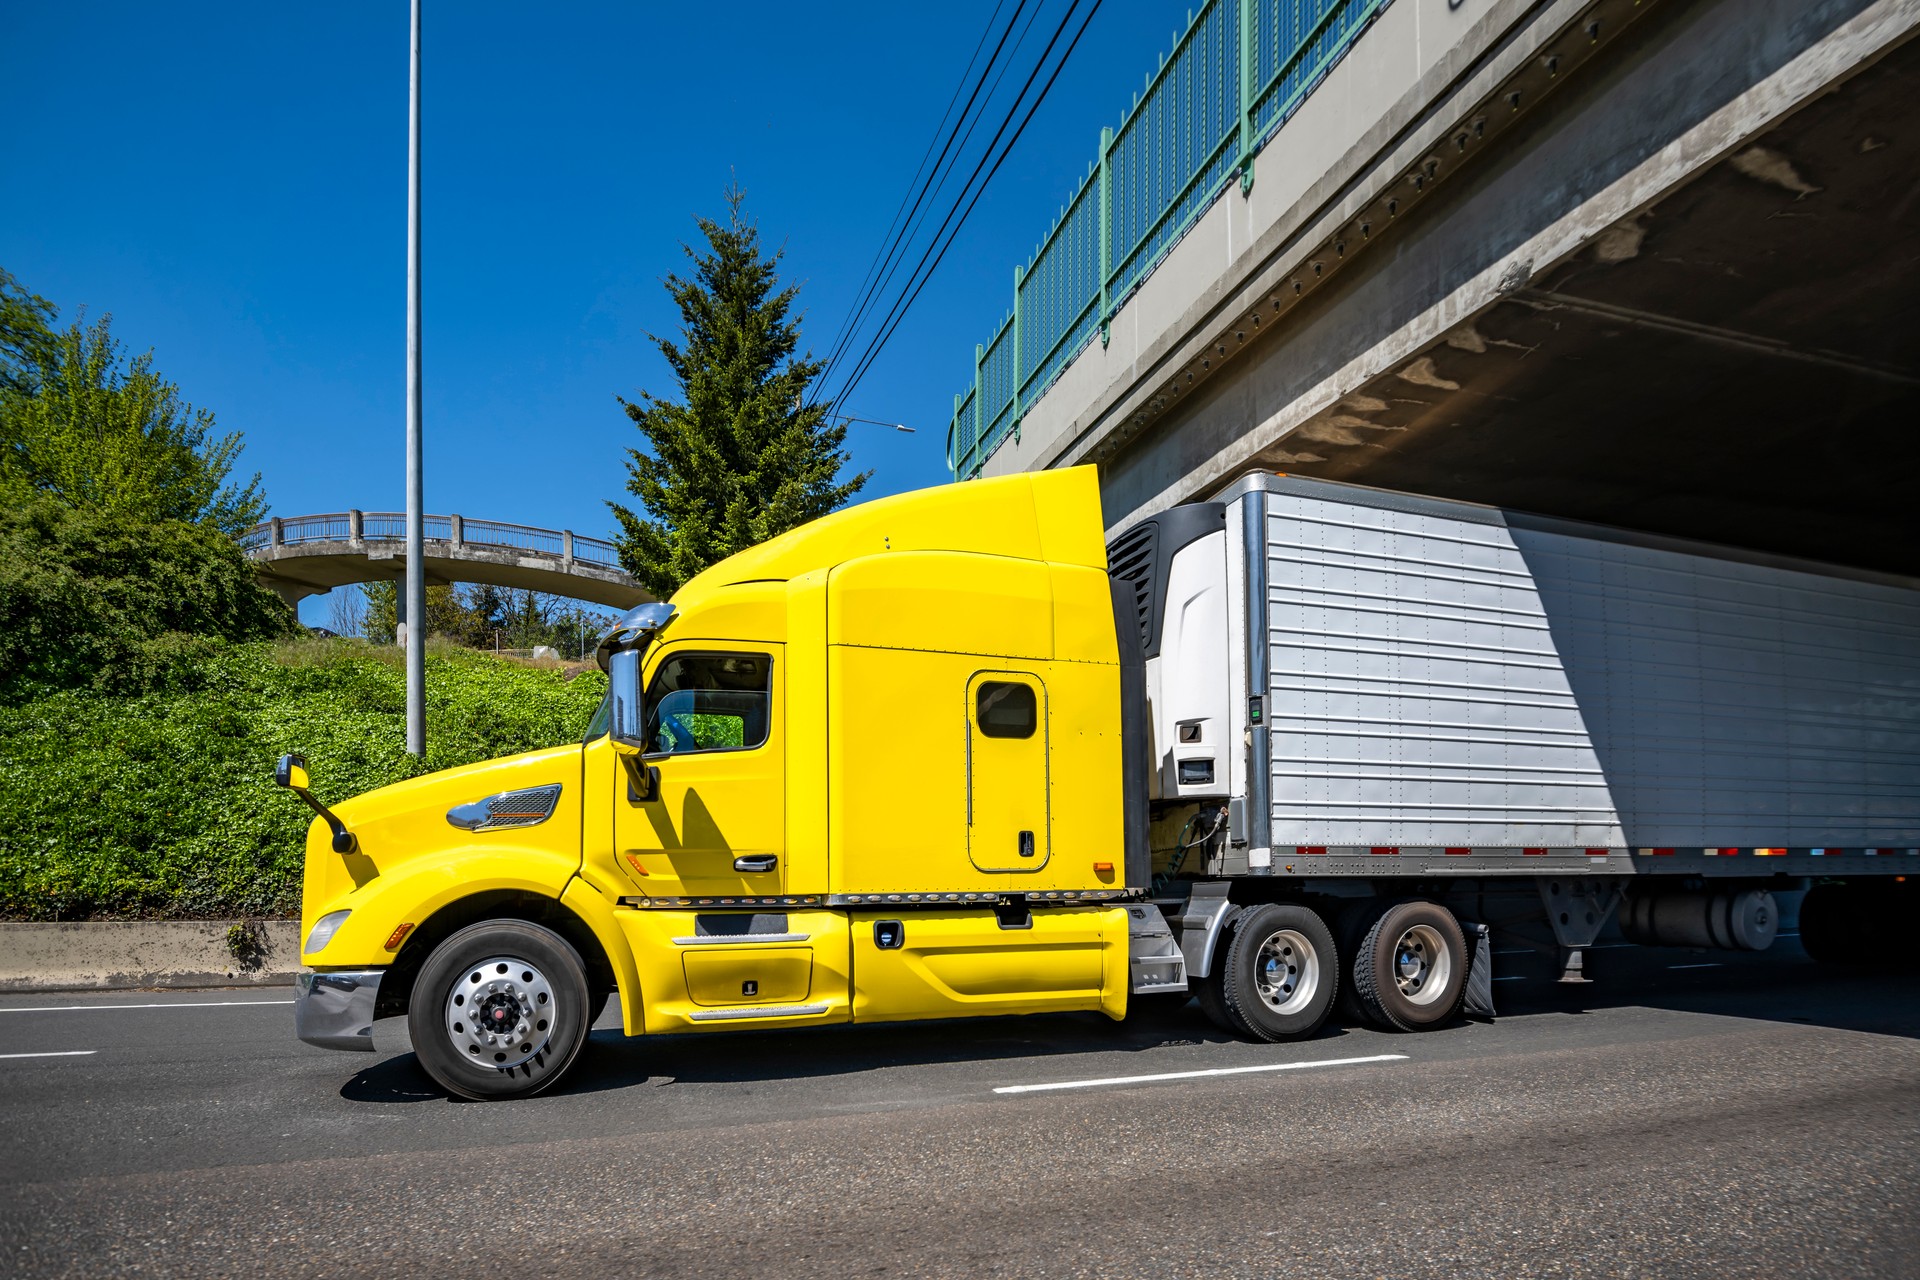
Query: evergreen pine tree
[740, 456]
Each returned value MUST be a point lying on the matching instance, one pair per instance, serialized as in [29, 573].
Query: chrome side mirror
[625, 720]
[627, 725]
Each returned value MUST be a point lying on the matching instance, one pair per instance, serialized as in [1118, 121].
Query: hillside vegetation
[117, 803]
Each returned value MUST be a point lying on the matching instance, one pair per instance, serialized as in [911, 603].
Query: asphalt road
[1684, 1115]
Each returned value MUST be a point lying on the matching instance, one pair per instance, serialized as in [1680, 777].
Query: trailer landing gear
[1578, 911]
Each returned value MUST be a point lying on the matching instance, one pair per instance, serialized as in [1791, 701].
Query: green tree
[447, 613]
[741, 455]
[101, 433]
[26, 335]
[88, 600]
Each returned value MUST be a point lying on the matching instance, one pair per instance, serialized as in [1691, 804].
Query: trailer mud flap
[1478, 1002]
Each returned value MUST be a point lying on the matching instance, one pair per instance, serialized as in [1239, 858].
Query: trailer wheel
[499, 1010]
[1411, 969]
[1350, 925]
[1281, 972]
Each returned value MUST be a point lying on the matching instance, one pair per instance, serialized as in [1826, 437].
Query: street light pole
[416, 586]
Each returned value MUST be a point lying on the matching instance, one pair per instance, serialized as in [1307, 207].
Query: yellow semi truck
[937, 756]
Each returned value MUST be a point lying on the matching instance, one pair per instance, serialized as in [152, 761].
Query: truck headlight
[324, 928]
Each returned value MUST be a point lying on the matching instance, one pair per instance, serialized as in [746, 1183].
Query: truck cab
[871, 770]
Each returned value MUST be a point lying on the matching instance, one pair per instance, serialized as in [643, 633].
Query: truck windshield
[597, 727]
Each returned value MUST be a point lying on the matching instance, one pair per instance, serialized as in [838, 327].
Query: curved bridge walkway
[299, 556]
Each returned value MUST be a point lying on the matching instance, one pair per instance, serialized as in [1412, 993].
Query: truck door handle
[1026, 844]
[756, 862]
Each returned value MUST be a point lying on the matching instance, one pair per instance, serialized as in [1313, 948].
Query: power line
[918, 280]
[939, 183]
[915, 188]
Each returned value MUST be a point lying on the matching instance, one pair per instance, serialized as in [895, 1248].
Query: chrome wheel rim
[1286, 971]
[500, 1012]
[1422, 965]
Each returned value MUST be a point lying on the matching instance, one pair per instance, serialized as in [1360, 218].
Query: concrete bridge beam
[1686, 259]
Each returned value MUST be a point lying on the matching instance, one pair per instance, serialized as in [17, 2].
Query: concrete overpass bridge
[299, 556]
[1650, 263]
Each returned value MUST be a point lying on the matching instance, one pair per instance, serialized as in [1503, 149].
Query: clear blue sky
[229, 181]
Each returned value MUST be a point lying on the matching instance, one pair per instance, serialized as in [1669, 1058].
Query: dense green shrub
[161, 802]
[89, 600]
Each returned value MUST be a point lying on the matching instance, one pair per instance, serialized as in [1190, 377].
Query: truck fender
[1199, 925]
[597, 913]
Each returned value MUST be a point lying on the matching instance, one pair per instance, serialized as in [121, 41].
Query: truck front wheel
[499, 1010]
[1280, 973]
[1411, 969]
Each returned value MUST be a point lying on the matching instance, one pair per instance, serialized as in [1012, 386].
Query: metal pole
[416, 531]
[1106, 232]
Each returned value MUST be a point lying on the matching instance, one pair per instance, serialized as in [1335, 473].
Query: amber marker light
[398, 936]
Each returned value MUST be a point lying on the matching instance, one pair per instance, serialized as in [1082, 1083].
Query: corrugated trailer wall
[1448, 676]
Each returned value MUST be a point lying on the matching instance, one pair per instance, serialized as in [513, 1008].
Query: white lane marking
[64, 1053]
[1195, 1075]
[200, 1004]
[1693, 966]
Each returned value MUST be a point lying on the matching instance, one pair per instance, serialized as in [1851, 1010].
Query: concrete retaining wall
[147, 953]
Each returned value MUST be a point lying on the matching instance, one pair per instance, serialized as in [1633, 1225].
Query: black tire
[1419, 986]
[1282, 972]
[1210, 991]
[1350, 925]
[503, 969]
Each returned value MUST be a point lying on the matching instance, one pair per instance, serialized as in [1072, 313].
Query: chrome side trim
[766, 1011]
[635, 902]
[643, 903]
[941, 898]
[731, 939]
[526, 807]
[335, 1010]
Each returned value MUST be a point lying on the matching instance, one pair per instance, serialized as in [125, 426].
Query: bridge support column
[566, 549]
[356, 529]
[457, 528]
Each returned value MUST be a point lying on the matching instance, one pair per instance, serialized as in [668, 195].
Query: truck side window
[709, 702]
[1006, 709]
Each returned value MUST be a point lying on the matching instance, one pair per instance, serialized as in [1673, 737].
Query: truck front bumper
[335, 1010]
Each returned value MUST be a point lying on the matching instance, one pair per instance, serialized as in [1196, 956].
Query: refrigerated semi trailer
[1291, 751]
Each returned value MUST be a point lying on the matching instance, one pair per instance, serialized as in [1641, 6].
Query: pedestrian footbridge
[300, 556]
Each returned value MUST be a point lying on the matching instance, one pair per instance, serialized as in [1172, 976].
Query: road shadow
[613, 1061]
[745, 1057]
[1782, 984]
[399, 1078]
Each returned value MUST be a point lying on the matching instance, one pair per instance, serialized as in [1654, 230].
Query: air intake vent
[1130, 559]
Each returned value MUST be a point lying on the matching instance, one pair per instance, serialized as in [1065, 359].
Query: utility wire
[957, 142]
[912, 198]
[897, 257]
[899, 311]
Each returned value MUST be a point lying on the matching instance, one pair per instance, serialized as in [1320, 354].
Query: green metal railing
[1232, 78]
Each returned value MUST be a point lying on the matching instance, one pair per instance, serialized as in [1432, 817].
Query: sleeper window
[709, 702]
[1007, 709]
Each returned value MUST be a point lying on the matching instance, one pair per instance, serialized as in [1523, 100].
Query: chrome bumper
[335, 1010]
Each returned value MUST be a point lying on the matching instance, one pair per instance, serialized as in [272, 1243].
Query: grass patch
[162, 803]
